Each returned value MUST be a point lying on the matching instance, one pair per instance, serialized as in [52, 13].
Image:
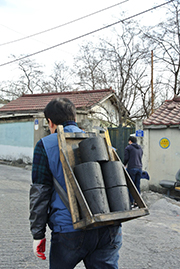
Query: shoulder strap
[61, 192]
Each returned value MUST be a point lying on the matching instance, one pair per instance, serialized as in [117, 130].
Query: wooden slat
[79, 135]
[109, 146]
[77, 190]
[112, 218]
[131, 186]
[177, 188]
[71, 195]
[130, 214]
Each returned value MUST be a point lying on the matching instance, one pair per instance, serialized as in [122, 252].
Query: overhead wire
[64, 24]
[89, 33]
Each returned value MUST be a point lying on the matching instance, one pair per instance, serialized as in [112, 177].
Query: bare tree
[164, 39]
[89, 68]
[61, 78]
[127, 71]
[120, 65]
[31, 77]
[11, 89]
[31, 80]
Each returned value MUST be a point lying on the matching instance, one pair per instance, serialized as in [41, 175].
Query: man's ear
[52, 126]
[50, 123]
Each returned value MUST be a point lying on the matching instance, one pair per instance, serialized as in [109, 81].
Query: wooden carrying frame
[82, 216]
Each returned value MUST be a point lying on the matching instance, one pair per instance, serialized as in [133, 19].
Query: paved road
[149, 242]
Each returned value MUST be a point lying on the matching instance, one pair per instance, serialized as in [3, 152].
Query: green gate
[119, 138]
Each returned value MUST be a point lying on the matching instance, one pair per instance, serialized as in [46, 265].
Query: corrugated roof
[167, 114]
[37, 102]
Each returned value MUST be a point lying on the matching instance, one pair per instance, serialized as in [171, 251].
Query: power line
[64, 24]
[92, 32]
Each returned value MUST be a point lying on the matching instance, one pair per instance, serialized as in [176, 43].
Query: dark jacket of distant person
[133, 154]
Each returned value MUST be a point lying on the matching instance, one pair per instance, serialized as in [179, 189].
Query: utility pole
[152, 92]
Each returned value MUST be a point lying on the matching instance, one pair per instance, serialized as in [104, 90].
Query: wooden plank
[131, 186]
[77, 190]
[133, 190]
[109, 146]
[112, 218]
[78, 135]
[71, 195]
[177, 188]
[130, 214]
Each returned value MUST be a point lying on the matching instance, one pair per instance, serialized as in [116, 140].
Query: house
[161, 143]
[22, 121]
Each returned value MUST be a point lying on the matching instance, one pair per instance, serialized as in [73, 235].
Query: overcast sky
[20, 18]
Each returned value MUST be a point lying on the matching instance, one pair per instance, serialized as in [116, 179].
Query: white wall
[161, 163]
[106, 111]
[17, 141]
[14, 153]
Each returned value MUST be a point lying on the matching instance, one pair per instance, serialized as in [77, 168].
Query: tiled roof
[167, 114]
[37, 102]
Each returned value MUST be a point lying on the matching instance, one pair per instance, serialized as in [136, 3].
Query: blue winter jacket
[45, 203]
[60, 218]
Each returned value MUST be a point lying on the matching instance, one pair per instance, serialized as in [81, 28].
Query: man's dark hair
[60, 110]
[133, 139]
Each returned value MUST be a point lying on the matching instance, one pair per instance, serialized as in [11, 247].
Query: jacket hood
[135, 145]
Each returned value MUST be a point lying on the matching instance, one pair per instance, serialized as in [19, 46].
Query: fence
[119, 138]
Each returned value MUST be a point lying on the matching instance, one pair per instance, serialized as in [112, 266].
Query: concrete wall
[19, 137]
[17, 140]
[161, 163]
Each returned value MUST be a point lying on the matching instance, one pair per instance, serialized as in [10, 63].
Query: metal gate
[119, 138]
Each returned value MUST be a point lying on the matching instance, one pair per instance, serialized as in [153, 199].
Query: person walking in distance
[133, 159]
[99, 247]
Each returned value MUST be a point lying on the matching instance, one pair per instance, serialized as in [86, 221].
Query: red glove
[39, 247]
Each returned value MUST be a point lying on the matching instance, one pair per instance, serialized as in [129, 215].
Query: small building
[161, 142]
[22, 121]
